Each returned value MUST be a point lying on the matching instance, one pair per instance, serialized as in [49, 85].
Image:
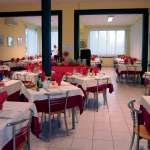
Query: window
[54, 42]
[107, 42]
[31, 42]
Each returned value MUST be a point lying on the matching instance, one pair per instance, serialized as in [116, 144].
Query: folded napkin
[3, 97]
[30, 67]
[57, 76]
[84, 71]
[95, 70]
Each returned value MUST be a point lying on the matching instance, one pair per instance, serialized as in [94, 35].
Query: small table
[88, 81]
[25, 76]
[39, 97]
[127, 70]
[11, 86]
[4, 68]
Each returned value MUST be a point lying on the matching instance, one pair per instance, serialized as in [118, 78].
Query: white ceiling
[37, 20]
[102, 19]
[124, 20]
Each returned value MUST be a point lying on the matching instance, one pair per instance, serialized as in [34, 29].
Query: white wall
[136, 39]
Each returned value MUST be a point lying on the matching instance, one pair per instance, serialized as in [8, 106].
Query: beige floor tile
[61, 142]
[81, 144]
[121, 145]
[102, 135]
[102, 145]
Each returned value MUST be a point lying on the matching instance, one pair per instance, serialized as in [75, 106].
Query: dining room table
[127, 70]
[11, 86]
[13, 112]
[39, 96]
[4, 68]
[25, 76]
[89, 82]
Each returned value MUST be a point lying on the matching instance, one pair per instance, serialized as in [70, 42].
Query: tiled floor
[108, 129]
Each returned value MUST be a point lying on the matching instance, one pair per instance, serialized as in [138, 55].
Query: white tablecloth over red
[89, 81]
[11, 86]
[4, 68]
[25, 76]
[15, 111]
[33, 95]
[75, 97]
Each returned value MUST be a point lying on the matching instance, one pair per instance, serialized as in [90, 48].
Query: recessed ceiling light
[110, 18]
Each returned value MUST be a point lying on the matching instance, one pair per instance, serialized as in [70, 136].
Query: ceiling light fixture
[110, 18]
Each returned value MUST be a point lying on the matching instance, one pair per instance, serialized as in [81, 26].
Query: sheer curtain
[31, 42]
[107, 42]
[54, 41]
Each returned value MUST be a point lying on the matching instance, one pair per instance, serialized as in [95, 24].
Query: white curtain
[31, 42]
[107, 42]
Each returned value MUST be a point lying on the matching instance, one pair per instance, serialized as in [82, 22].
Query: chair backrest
[134, 114]
[103, 82]
[131, 68]
[18, 132]
[57, 104]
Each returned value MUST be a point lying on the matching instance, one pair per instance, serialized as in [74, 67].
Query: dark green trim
[145, 42]
[20, 14]
[46, 36]
[60, 26]
[76, 35]
[143, 11]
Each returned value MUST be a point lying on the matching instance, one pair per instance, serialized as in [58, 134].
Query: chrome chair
[147, 84]
[132, 71]
[139, 130]
[57, 106]
[98, 89]
[21, 133]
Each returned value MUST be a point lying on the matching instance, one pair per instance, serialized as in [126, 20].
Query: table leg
[73, 118]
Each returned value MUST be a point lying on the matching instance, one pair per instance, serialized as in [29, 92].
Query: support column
[145, 42]
[46, 36]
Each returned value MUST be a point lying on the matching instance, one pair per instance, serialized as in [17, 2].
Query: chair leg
[132, 141]
[105, 98]
[65, 119]
[97, 101]
[76, 115]
[59, 119]
[148, 144]
[50, 126]
[137, 143]
[28, 142]
[86, 102]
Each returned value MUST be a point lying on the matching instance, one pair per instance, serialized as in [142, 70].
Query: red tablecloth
[101, 88]
[127, 72]
[73, 101]
[144, 118]
[146, 82]
[69, 69]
